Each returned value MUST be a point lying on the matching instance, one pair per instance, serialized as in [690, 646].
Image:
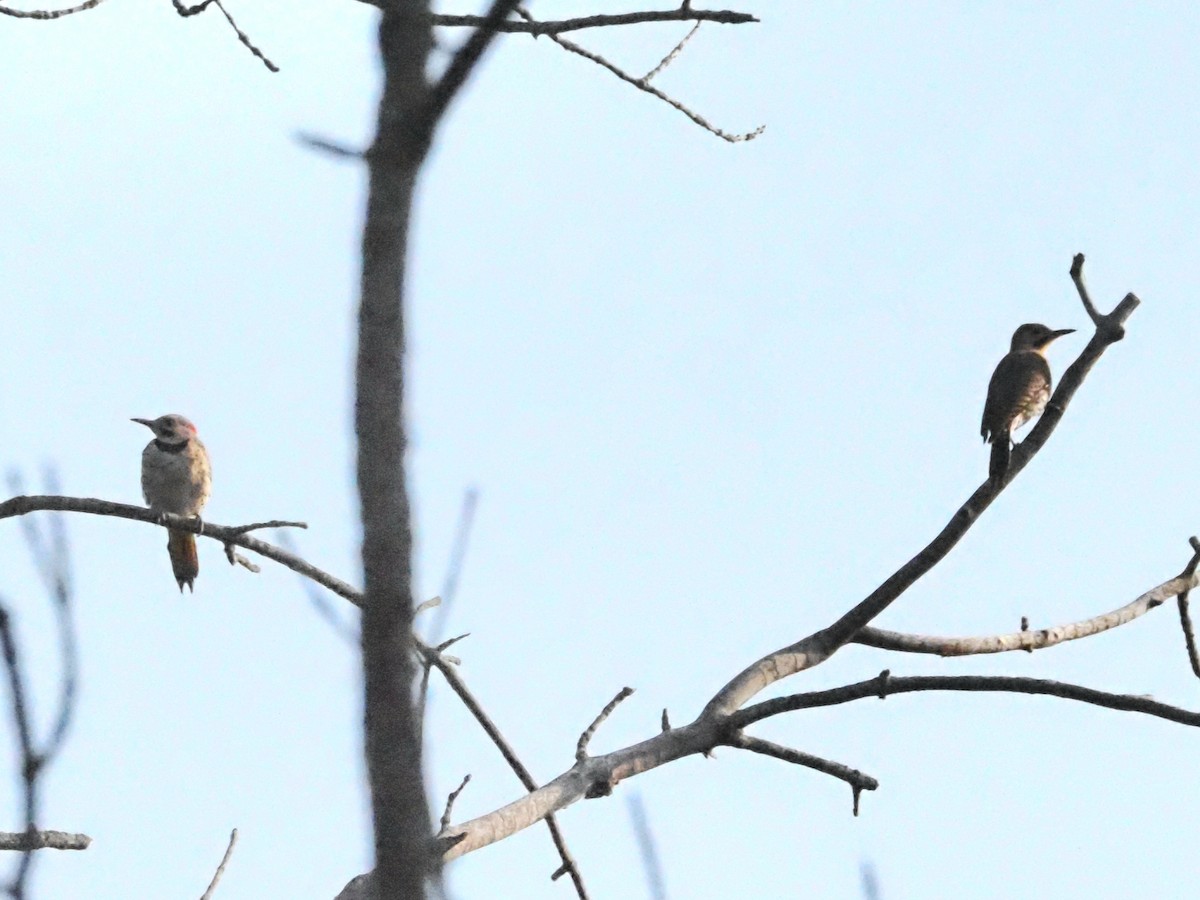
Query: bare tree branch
[859, 781]
[43, 840]
[51, 557]
[670, 57]
[461, 66]
[1032, 640]
[212, 885]
[186, 11]
[458, 555]
[887, 684]
[679, 14]
[586, 737]
[569, 866]
[643, 84]
[49, 14]
[235, 535]
[450, 802]
[1185, 618]
[344, 629]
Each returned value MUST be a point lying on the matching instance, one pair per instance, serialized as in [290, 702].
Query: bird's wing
[1006, 391]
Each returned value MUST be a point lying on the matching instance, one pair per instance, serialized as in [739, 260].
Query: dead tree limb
[1033, 640]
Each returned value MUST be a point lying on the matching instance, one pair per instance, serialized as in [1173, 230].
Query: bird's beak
[1053, 336]
[147, 422]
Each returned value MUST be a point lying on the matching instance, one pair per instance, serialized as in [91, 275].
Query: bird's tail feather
[1001, 448]
[184, 561]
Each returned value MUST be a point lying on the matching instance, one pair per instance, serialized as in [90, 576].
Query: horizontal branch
[1029, 640]
[224, 534]
[43, 840]
[885, 685]
[679, 14]
[47, 14]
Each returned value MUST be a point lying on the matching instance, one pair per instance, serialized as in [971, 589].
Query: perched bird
[176, 478]
[1018, 391]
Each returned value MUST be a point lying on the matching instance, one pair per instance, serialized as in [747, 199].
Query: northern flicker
[1018, 391]
[176, 478]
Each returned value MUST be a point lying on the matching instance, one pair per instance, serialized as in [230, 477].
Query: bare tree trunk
[400, 814]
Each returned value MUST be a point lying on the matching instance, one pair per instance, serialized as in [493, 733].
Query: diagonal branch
[643, 84]
[670, 57]
[858, 781]
[1032, 640]
[569, 866]
[212, 885]
[186, 11]
[1185, 618]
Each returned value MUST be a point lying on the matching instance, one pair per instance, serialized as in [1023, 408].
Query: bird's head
[1036, 337]
[170, 429]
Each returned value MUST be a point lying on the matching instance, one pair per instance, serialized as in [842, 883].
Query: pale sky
[711, 396]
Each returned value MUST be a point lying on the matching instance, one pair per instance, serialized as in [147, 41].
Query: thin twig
[50, 13]
[679, 14]
[646, 849]
[642, 85]
[274, 523]
[670, 57]
[185, 11]
[450, 801]
[1185, 618]
[858, 781]
[342, 151]
[31, 760]
[1081, 286]
[317, 599]
[52, 559]
[212, 885]
[586, 737]
[454, 568]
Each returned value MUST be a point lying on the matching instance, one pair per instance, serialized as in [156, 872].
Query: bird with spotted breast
[176, 478]
[1018, 391]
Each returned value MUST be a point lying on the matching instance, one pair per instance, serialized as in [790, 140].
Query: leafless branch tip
[1185, 618]
[450, 801]
[186, 11]
[643, 84]
[212, 885]
[586, 737]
